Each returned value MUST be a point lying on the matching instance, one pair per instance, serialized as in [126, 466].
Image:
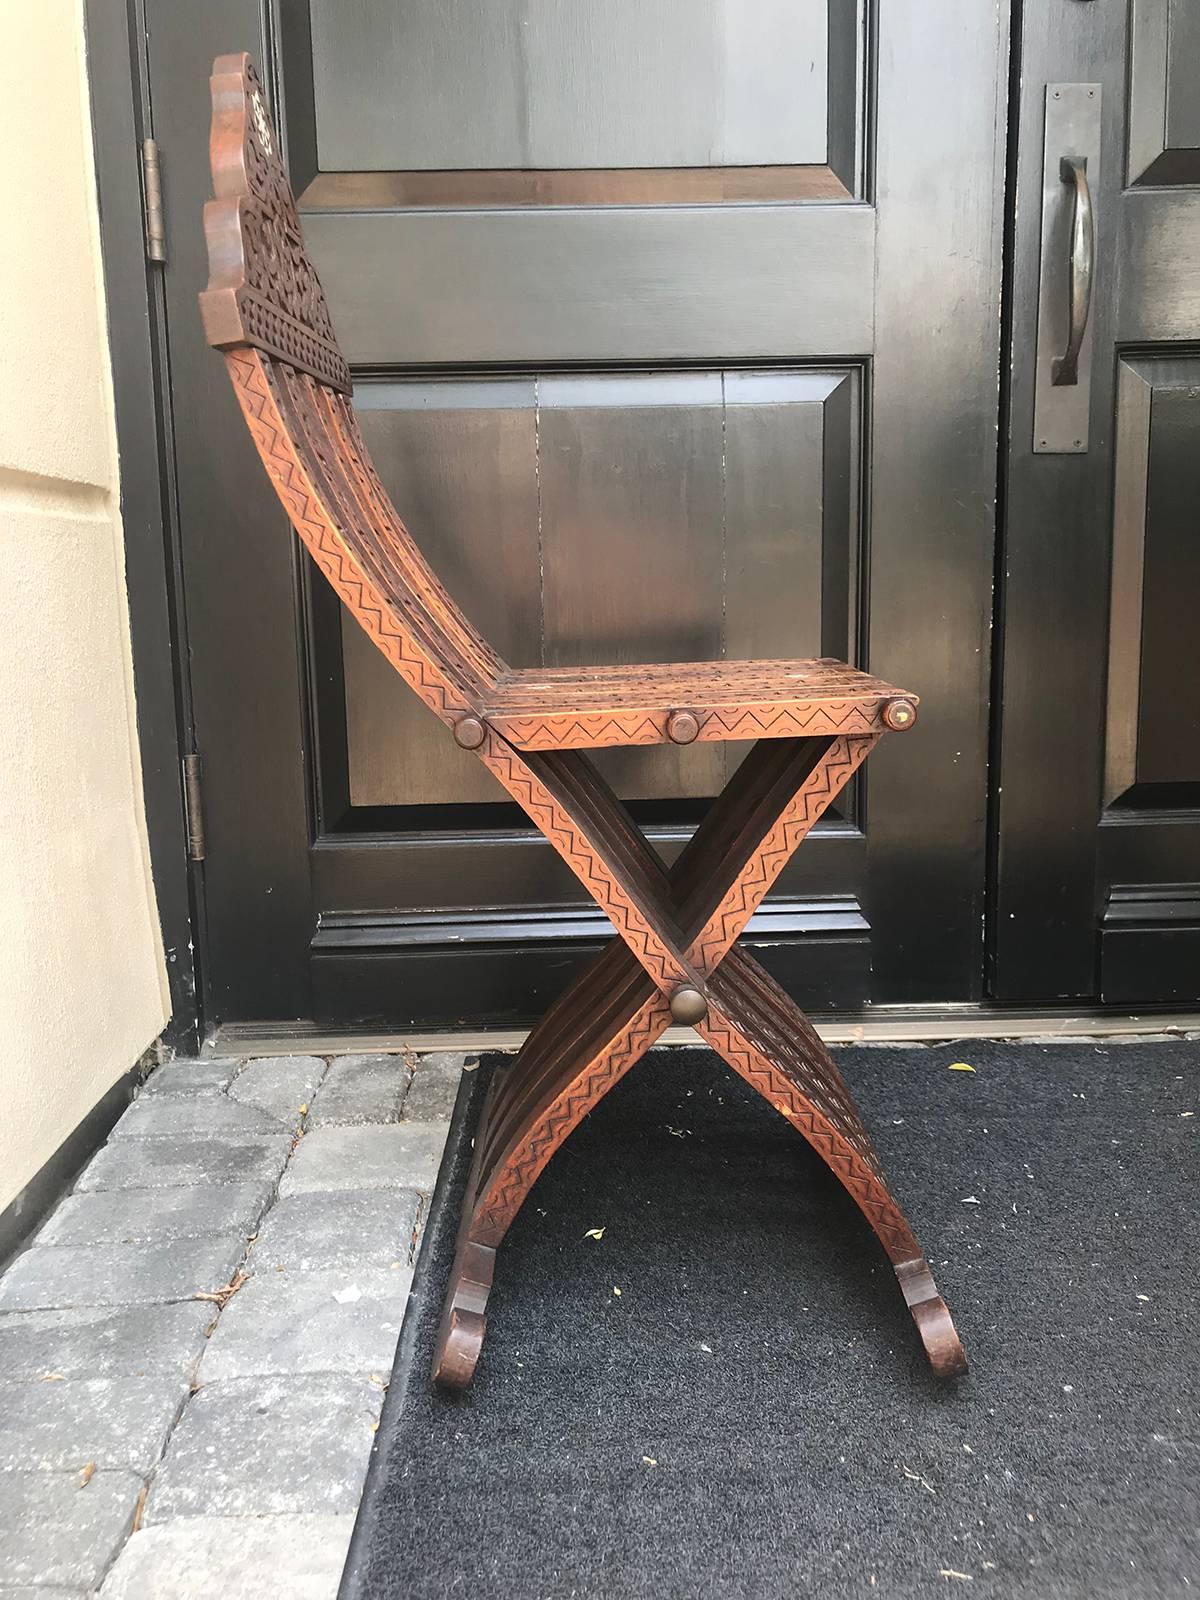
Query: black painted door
[1098, 888]
[675, 329]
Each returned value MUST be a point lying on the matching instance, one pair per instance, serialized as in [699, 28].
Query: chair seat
[563, 708]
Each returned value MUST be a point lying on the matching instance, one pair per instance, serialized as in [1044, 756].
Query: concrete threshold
[882, 1025]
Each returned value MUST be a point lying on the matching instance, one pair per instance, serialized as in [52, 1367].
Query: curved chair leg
[531, 1108]
[769, 1041]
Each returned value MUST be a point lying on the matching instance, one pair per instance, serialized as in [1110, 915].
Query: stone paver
[137, 1342]
[57, 1530]
[118, 1274]
[209, 1076]
[115, 1422]
[402, 1156]
[263, 1446]
[434, 1087]
[153, 1216]
[283, 1322]
[361, 1089]
[253, 1422]
[233, 1558]
[340, 1229]
[280, 1086]
[174, 1163]
[204, 1116]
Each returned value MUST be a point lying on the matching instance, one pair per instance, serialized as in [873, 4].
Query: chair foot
[464, 1320]
[935, 1325]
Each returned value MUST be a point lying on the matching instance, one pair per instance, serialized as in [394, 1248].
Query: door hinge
[152, 200]
[193, 806]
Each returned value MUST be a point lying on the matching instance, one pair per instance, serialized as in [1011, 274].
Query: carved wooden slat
[676, 955]
[588, 708]
[763, 849]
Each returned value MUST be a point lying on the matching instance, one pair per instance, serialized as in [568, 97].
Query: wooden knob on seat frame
[688, 1005]
[469, 732]
[682, 727]
[898, 714]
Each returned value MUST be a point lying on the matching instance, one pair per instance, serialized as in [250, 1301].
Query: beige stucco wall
[82, 985]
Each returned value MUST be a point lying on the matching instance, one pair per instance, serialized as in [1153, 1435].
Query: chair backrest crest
[263, 290]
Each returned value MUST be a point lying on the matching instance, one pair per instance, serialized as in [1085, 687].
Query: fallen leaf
[961, 1066]
[594, 1233]
[85, 1476]
[303, 1110]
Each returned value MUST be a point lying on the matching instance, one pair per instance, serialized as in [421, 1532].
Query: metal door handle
[1073, 170]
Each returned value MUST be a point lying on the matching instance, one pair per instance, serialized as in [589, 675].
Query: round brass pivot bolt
[682, 727]
[899, 714]
[469, 732]
[688, 1005]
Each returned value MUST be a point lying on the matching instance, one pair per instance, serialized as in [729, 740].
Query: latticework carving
[263, 289]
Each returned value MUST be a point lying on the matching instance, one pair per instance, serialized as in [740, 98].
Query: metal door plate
[1060, 415]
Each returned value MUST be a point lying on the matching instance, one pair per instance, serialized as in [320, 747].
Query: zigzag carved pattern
[830, 1124]
[520, 1168]
[571, 733]
[311, 520]
[743, 896]
[758, 722]
[578, 730]
[647, 942]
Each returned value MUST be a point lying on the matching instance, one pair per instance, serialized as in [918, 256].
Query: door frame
[117, 85]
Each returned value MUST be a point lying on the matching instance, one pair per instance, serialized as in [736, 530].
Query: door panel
[1164, 110]
[598, 283]
[531, 84]
[675, 334]
[735, 494]
[1098, 892]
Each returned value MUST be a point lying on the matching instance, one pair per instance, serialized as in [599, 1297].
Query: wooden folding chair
[676, 958]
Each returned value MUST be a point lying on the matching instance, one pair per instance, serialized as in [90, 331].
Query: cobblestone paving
[195, 1347]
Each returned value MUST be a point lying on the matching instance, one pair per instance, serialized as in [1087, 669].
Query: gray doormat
[750, 1416]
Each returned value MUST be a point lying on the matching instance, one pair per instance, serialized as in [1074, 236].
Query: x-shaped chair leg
[675, 959]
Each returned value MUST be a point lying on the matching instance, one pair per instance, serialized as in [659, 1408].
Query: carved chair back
[265, 310]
